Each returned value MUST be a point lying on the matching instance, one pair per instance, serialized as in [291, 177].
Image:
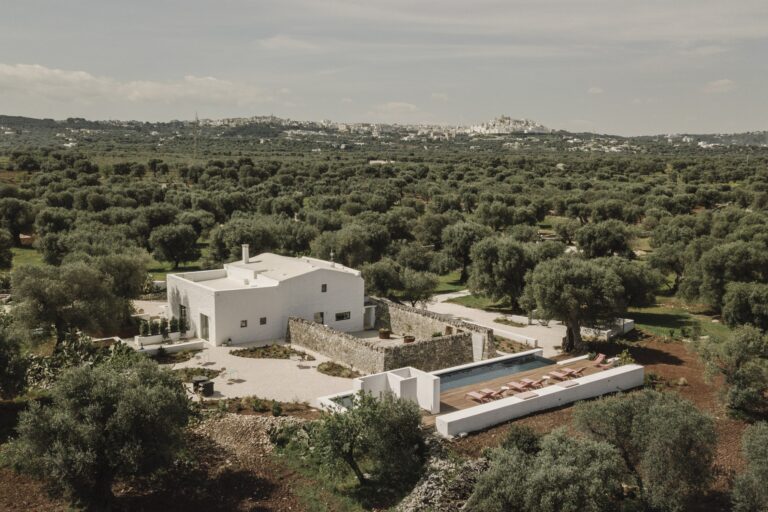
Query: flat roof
[262, 271]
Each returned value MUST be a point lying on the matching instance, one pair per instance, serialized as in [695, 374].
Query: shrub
[750, 493]
[115, 421]
[666, 442]
[565, 475]
[144, 328]
[277, 409]
[523, 438]
[173, 325]
[163, 328]
[154, 328]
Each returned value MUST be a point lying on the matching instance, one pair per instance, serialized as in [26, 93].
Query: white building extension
[252, 299]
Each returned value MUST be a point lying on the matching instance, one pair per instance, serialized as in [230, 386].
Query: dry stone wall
[366, 355]
[423, 324]
[360, 354]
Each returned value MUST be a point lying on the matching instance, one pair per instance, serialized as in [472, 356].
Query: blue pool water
[490, 371]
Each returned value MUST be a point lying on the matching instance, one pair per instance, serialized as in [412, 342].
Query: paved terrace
[454, 399]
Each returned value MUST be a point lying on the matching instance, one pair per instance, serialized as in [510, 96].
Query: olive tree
[73, 296]
[498, 268]
[116, 421]
[175, 243]
[664, 440]
[382, 435]
[458, 240]
[604, 238]
[562, 474]
[750, 493]
[576, 291]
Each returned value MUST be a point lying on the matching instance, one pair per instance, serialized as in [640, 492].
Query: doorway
[320, 318]
[204, 327]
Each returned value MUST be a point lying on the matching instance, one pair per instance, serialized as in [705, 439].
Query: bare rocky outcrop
[445, 486]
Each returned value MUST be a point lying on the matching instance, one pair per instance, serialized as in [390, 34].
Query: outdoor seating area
[522, 385]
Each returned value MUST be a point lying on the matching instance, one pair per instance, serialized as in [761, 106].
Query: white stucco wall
[409, 383]
[498, 411]
[300, 296]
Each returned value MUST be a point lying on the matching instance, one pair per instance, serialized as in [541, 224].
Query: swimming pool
[489, 371]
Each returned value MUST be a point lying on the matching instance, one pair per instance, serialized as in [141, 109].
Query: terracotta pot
[384, 334]
[409, 339]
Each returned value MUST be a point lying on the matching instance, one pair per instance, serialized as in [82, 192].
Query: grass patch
[187, 374]
[449, 283]
[484, 303]
[26, 256]
[272, 352]
[667, 319]
[337, 370]
[159, 269]
[163, 357]
[506, 321]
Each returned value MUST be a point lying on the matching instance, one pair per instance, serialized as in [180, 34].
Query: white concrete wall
[300, 296]
[498, 411]
[197, 299]
[409, 383]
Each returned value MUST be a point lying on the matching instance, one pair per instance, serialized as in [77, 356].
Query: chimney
[246, 255]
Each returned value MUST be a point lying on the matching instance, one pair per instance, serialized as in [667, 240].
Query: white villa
[252, 299]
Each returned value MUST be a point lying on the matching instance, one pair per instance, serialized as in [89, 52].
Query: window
[323, 288]
[263, 320]
[243, 323]
[343, 316]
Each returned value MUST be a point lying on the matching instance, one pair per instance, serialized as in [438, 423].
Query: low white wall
[409, 383]
[156, 339]
[175, 347]
[622, 326]
[492, 413]
[327, 403]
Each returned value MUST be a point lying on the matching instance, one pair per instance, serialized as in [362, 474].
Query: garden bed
[272, 352]
[164, 357]
[188, 374]
[337, 370]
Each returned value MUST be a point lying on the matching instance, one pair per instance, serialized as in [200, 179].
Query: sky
[605, 66]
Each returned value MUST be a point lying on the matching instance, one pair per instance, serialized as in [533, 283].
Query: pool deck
[455, 399]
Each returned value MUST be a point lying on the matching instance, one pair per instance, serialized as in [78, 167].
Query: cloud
[718, 86]
[439, 96]
[35, 81]
[396, 107]
[284, 42]
[595, 90]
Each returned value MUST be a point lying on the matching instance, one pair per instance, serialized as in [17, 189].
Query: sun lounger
[560, 375]
[533, 383]
[518, 386]
[607, 364]
[477, 397]
[599, 359]
[575, 373]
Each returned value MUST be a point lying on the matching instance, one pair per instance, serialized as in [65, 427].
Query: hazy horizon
[579, 65]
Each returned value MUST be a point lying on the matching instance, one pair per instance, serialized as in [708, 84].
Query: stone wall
[360, 354]
[431, 354]
[368, 356]
[423, 324]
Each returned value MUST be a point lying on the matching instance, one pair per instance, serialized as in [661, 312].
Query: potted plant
[173, 325]
[144, 328]
[154, 328]
[164, 328]
[384, 334]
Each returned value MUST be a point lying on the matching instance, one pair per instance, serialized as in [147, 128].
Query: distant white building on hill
[252, 299]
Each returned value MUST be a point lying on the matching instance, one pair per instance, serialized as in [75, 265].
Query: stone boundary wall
[360, 354]
[431, 354]
[402, 319]
[367, 356]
